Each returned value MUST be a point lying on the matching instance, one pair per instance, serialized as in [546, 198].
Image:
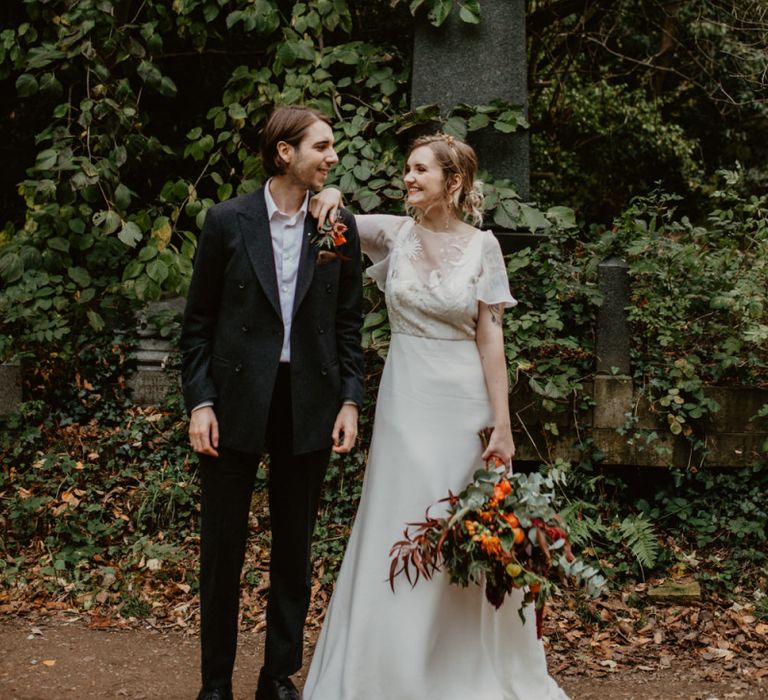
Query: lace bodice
[433, 281]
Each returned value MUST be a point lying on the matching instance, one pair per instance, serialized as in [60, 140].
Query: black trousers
[294, 493]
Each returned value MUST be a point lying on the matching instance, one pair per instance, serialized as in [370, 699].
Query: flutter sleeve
[377, 235]
[493, 284]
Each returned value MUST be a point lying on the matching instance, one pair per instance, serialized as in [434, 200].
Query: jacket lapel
[306, 262]
[254, 229]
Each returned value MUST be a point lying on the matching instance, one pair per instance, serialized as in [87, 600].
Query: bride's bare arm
[490, 343]
[325, 205]
[375, 230]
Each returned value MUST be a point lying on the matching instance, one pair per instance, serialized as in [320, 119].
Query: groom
[271, 362]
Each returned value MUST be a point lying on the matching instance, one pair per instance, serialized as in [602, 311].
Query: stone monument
[476, 64]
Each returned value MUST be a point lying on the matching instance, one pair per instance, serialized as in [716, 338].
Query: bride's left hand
[325, 205]
[501, 445]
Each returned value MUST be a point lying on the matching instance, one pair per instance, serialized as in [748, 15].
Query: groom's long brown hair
[285, 124]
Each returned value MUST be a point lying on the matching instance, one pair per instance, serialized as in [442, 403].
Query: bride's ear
[454, 183]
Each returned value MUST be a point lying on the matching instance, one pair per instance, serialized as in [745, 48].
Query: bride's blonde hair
[456, 158]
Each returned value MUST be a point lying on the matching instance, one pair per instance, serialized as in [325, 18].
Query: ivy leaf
[59, 243]
[440, 11]
[26, 85]
[46, 159]
[533, 218]
[96, 321]
[564, 217]
[149, 73]
[167, 88]
[122, 197]
[11, 267]
[157, 271]
[368, 200]
[456, 126]
[80, 276]
[130, 234]
[470, 11]
[507, 214]
[132, 270]
[478, 121]
[161, 232]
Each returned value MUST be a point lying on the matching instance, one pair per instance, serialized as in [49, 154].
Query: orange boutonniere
[329, 239]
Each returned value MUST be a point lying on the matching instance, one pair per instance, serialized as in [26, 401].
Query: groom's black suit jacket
[233, 330]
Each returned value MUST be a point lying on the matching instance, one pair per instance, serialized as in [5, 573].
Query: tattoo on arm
[496, 311]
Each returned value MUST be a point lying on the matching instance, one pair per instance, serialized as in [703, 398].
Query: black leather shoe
[215, 694]
[276, 688]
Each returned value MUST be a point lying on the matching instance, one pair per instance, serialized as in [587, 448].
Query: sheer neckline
[471, 231]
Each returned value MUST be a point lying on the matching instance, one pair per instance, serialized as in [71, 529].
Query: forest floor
[50, 652]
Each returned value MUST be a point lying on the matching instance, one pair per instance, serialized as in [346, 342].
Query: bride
[444, 379]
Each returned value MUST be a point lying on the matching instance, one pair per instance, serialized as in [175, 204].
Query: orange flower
[471, 526]
[492, 546]
[511, 519]
[502, 490]
[486, 516]
[337, 233]
[519, 535]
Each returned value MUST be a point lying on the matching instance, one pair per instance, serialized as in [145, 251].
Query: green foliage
[439, 10]
[641, 539]
[549, 334]
[630, 93]
[611, 142]
[697, 310]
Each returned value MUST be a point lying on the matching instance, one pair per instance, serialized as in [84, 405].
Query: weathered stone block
[676, 591]
[152, 381]
[150, 386]
[738, 406]
[613, 400]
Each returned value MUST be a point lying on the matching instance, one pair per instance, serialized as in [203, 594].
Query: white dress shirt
[286, 232]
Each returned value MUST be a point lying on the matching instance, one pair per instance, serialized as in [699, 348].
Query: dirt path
[47, 659]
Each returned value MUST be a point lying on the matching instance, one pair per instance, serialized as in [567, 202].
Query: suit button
[320, 330]
[241, 284]
[329, 288]
[245, 328]
[324, 371]
[238, 368]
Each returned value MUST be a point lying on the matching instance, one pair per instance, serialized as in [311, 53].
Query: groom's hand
[345, 429]
[204, 431]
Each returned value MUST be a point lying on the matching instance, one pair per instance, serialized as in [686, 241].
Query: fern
[584, 523]
[641, 539]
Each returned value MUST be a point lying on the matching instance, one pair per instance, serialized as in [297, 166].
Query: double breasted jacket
[232, 333]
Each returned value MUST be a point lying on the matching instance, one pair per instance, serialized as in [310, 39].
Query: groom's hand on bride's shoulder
[345, 428]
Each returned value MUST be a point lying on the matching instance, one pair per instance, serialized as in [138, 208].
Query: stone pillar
[10, 388]
[475, 64]
[613, 390]
[612, 326]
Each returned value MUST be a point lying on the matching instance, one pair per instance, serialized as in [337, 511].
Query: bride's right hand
[501, 444]
[325, 205]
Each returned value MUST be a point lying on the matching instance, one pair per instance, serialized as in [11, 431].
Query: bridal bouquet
[503, 530]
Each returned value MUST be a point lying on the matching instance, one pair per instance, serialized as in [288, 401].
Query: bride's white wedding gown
[435, 641]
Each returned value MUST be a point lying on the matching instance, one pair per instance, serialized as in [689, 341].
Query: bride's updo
[456, 158]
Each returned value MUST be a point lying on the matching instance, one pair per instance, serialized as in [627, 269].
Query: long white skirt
[435, 641]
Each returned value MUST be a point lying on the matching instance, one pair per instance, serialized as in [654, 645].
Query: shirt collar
[272, 208]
